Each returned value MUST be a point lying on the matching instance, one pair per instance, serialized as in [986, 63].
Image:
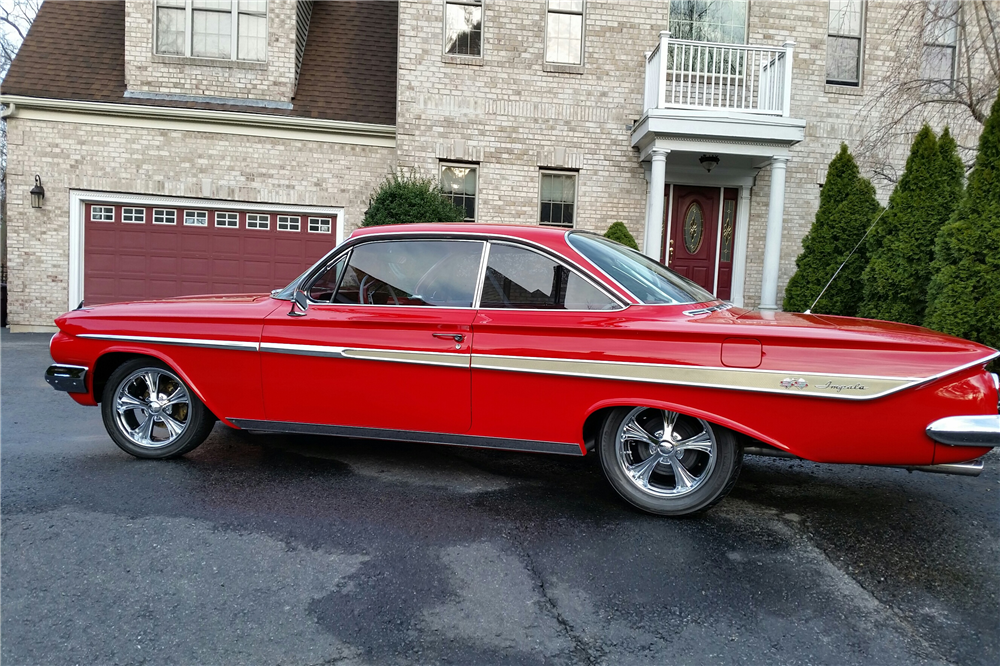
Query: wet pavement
[307, 550]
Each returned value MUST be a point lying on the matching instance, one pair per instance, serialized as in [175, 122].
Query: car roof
[539, 234]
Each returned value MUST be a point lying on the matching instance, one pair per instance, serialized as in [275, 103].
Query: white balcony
[718, 93]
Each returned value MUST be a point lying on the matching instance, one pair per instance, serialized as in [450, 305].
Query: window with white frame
[196, 218]
[320, 225]
[164, 216]
[463, 27]
[557, 199]
[102, 213]
[289, 223]
[845, 42]
[258, 221]
[564, 32]
[219, 29]
[231, 220]
[721, 21]
[134, 215]
[940, 44]
[458, 185]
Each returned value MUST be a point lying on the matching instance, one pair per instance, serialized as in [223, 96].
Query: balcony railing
[682, 74]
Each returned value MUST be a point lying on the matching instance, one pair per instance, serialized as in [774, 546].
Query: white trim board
[201, 120]
[79, 198]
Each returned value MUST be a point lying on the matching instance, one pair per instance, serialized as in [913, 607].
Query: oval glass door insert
[694, 228]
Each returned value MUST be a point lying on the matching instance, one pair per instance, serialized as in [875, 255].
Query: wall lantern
[37, 193]
[709, 162]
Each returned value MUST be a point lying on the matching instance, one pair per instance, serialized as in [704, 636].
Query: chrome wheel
[152, 408]
[665, 454]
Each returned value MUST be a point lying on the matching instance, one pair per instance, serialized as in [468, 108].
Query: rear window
[650, 282]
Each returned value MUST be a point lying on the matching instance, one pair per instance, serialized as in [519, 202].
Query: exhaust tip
[971, 468]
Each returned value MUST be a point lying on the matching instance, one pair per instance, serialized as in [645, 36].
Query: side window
[519, 278]
[325, 285]
[412, 272]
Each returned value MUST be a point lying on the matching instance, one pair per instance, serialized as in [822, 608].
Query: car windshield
[650, 282]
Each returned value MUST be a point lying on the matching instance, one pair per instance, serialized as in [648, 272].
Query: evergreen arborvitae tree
[847, 206]
[409, 199]
[964, 294]
[619, 233]
[901, 245]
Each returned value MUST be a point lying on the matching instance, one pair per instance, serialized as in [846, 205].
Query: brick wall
[513, 117]
[165, 162]
[273, 80]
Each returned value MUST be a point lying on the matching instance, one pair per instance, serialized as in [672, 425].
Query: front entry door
[691, 249]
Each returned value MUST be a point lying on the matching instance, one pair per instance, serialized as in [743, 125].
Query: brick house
[191, 146]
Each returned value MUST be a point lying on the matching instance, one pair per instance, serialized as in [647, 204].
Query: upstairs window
[940, 42]
[463, 27]
[218, 29]
[719, 21]
[458, 185]
[564, 32]
[844, 43]
[557, 199]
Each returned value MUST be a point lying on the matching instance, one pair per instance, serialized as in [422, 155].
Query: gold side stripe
[827, 386]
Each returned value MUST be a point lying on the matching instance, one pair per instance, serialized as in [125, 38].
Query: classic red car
[531, 339]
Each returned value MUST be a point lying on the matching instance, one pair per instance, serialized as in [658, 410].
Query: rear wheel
[151, 413]
[668, 463]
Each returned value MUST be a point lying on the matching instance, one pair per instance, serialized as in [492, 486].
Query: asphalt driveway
[306, 550]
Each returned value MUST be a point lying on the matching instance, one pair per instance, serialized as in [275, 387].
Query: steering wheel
[370, 286]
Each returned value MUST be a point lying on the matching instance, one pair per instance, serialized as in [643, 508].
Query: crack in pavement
[580, 648]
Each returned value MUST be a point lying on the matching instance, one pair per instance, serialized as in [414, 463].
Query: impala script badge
[791, 382]
[842, 387]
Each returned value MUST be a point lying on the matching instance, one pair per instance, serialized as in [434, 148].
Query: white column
[772, 243]
[654, 213]
[740, 246]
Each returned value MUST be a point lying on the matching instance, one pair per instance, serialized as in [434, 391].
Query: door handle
[457, 337]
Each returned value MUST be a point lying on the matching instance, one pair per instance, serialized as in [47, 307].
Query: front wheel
[150, 413]
[668, 463]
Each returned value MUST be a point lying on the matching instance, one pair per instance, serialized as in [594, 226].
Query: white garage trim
[79, 198]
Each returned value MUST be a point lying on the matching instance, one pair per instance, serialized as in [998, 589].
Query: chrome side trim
[184, 342]
[455, 359]
[409, 436]
[69, 378]
[980, 430]
[971, 468]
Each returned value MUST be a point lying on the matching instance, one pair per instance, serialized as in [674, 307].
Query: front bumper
[982, 430]
[69, 378]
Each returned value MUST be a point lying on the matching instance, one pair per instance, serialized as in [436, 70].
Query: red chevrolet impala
[531, 339]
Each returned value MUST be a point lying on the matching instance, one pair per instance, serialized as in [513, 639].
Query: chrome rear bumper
[981, 430]
[69, 378]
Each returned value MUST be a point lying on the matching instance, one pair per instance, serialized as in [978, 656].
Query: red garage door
[142, 252]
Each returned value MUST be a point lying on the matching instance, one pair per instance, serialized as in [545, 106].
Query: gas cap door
[741, 353]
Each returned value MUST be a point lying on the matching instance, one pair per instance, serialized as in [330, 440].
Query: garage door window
[289, 223]
[319, 225]
[164, 216]
[134, 215]
[102, 214]
[258, 221]
[196, 218]
[231, 220]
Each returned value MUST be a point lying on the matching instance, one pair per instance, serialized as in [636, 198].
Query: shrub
[409, 199]
[619, 233]
[901, 245]
[964, 294]
[847, 206]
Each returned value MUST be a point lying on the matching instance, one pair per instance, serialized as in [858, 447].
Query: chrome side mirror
[299, 304]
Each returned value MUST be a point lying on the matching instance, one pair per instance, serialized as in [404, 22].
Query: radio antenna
[809, 311]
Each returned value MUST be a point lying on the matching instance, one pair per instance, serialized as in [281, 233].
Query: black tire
[626, 458]
[180, 405]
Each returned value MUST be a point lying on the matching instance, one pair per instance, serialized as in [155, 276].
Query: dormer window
[217, 29]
